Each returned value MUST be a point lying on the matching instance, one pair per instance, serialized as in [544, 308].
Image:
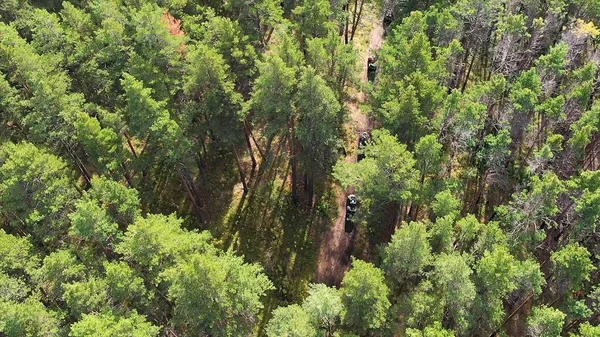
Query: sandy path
[334, 257]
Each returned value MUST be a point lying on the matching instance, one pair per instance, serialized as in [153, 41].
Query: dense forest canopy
[181, 168]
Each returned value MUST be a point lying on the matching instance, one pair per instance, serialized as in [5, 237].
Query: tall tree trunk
[464, 86]
[146, 142]
[346, 8]
[84, 172]
[240, 170]
[311, 190]
[356, 17]
[126, 174]
[130, 145]
[305, 181]
[461, 70]
[192, 193]
[269, 34]
[199, 163]
[249, 128]
[293, 163]
[250, 150]
[204, 152]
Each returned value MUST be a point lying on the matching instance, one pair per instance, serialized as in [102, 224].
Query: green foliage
[572, 266]
[496, 272]
[423, 307]
[149, 118]
[103, 144]
[121, 203]
[35, 189]
[442, 233]
[513, 24]
[290, 321]
[495, 275]
[584, 128]
[214, 105]
[385, 175]
[29, 318]
[587, 330]
[364, 295]
[12, 289]
[323, 307]
[334, 61]
[273, 93]
[313, 17]
[436, 330]
[155, 58]
[317, 131]
[91, 222]
[107, 324]
[428, 154]
[588, 204]
[124, 284]
[484, 121]
[545, 322]
[582, 84]
[408, 253]
[86, 297]
[16, 254]
[227, 37]
[532, 206]
[407, 91]
[529, 277]
[58, 268]
[468, 229]
[157, 241]
[216, 294]
[496, 150]
[555, 61]
[452, 278]
[526, 90]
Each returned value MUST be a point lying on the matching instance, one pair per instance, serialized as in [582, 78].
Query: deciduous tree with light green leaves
[290, 321]
[386, 175]
[545, 322]
[364, 295]
[408, 253]
[218, 295]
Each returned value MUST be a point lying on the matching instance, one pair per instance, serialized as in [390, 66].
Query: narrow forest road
[336, 248]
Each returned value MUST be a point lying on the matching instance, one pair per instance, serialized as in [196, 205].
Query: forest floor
[295, 245]
[337, 247]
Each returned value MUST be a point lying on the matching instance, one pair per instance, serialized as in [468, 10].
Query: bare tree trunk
[192, 193]
[260, 151]
[240, 170]
[305, 181]
[293, 163]
[250, 150]
[130, 145]
[269, 34]
[126, 174]
[84, 172]
[203, 146]
[459, 74]
[145, 144]
[356, 18]
[347, 7]
[199, 163]
[464, 86]
[311, 190]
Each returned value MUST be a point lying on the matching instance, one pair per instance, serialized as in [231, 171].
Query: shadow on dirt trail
[337, 246]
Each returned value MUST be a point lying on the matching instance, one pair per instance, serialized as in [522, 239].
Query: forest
[299, 168]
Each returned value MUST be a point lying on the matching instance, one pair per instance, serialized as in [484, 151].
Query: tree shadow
[269, 229]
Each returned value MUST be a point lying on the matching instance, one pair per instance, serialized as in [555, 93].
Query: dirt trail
[337, 247]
